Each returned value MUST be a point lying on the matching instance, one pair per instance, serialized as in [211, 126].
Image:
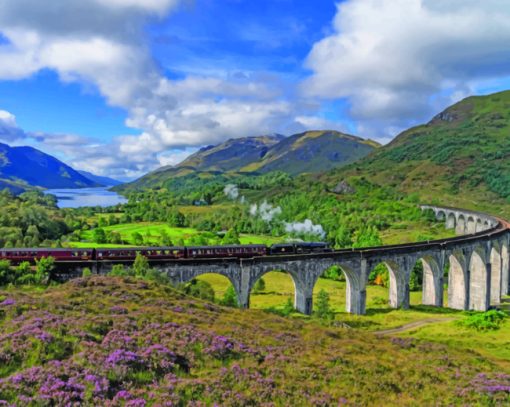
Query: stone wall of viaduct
[478, 272]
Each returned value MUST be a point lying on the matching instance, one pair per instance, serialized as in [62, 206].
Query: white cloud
[390, 57]
[102, 42]
[9, 130]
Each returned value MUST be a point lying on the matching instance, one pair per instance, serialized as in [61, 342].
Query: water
[75, 198]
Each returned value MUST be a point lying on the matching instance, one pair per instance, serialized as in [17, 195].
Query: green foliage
[416, 278]
[137, 238]
[199, 289]
[5, 272]
[484, 321]
[44, 268]
[86, 272]
[230, 297]
[260, 285]
[231, 237]
[120, 271]
[323, 307]
[141, 266]
[334, 273]
[99, 235]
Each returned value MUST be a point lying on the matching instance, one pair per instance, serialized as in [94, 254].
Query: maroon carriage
[226, 251]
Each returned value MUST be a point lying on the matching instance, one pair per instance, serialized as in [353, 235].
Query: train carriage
[16, 256]
[245, 251]
[151, 253]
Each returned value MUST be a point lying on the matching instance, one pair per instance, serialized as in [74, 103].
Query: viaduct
[475, 265]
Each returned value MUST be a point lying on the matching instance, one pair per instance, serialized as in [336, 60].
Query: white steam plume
[265, 211]
[306, 227]
[231, 191]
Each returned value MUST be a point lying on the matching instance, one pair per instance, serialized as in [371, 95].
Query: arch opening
[335, 284]
[431, 281]
[392, 286]
[457, 282]
[479, 297]
[214, 287]
[274, 290]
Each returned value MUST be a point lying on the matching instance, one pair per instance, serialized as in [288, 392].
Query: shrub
[484, 321]
[120, 271]
[200, 289]
[44, 268]
[230, 297]
[260, 285]
[323, 307]
[86, 272]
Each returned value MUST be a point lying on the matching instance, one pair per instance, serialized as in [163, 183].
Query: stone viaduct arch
[478, 267]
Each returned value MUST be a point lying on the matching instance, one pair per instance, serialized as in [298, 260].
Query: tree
[200, 289]
[44, 268]
[137, 239]
[260, 285]
[231, 237]
[5, 272]
[140, 265]
[323, 308]
[99, 235]
[230, 297]
[24, 274]
[368, 236]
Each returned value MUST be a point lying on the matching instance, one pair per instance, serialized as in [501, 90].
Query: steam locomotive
[16, 256]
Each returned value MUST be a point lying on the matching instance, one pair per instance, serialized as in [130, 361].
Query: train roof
[227, 246]
[140, 248]
[47, 249]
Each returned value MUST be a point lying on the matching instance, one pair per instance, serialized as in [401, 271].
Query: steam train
[16, 256]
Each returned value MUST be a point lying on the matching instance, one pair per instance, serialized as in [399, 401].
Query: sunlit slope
[103, 340]
[461, 157]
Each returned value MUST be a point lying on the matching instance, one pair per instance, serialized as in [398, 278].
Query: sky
[122, 87]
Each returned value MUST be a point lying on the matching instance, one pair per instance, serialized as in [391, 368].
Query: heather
[128, 342]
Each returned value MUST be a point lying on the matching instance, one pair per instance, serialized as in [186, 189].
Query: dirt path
[412, 325]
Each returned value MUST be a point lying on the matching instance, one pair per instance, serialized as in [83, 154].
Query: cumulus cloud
[9, 130]
[395, 60]
[103, 43]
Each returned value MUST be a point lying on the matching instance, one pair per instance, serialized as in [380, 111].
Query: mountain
[459, 157]
[232, 155]
[25, 167]
[105, 181]
[311, 151]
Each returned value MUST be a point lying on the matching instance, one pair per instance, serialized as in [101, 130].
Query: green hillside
[125, 341]
[461, 157]
[313, 151]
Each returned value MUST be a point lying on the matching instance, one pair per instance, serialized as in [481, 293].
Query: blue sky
[121, 87]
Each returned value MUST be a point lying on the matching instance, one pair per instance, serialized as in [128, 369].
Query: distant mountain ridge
[104, 181]
[26, 167]
[310, 151]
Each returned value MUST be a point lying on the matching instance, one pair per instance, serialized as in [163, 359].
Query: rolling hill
[460, 157]
[26, 167]
[307, 152]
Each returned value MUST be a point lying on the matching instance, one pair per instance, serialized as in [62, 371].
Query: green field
[151, 232]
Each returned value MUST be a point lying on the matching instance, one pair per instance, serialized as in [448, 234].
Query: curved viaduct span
[477, 278]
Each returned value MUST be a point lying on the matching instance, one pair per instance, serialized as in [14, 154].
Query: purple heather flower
[8, 301]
